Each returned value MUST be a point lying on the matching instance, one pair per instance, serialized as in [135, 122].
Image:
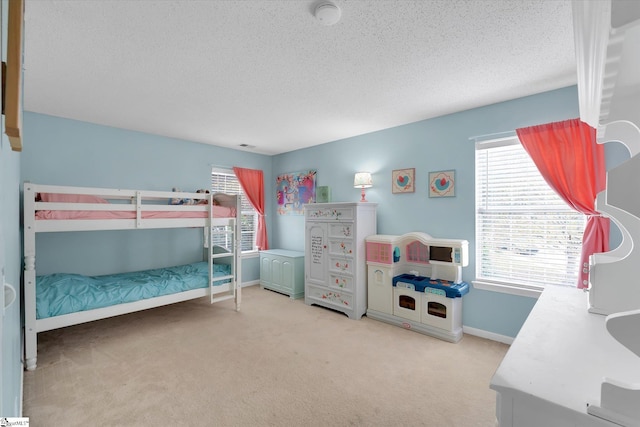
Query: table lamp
[362, 180]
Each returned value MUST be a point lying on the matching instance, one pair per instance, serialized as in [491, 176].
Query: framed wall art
[403, 180]
[442, 183]
[294, 190]
[323, 194]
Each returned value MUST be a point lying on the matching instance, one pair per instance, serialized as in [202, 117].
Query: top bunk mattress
[98, 210]
[218, 212]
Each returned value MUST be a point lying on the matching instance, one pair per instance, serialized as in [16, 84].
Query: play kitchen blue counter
[435, 286]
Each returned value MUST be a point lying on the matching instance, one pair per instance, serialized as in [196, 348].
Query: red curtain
[252, 182]
[572, 163]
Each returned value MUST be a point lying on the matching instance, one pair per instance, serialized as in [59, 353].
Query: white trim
[250, 283]
[254, 253]
[488, 335]
[504, 141]
[452, 336]
[494, 136]
[223, 170]
[23, 364]
[532, 292]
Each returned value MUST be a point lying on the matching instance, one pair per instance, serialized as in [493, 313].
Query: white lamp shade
[362, 180]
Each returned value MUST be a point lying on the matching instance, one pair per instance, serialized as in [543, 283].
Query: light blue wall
[60, 151]
[68, 152]
[11, 262]
[438, 144]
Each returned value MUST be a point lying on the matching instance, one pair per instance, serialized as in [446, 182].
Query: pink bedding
[218, 211]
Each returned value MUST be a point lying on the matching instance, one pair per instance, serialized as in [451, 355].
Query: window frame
[491, 284]
[247, 211]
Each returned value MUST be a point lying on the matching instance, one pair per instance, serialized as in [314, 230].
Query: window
[225, 181]
[417, 252]
[526, 235]
[379, 252]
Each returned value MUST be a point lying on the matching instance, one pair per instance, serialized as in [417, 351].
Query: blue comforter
[59, 294]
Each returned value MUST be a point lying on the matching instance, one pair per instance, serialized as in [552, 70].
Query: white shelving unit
[576, 360]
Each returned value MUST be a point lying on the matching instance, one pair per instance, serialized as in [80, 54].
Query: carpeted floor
[277, 362]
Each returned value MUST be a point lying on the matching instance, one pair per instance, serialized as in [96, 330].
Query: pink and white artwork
[402, 180]
[295, 189]
[442, 184]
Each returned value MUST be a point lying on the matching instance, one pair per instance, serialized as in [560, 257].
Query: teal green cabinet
[282, 271]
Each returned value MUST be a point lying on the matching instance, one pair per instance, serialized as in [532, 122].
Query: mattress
[112, 212]
[218, 212]
[58, 294]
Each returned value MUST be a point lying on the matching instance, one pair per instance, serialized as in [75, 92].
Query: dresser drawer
[341, 247]
[340, 265]
[342, 282]
[328, 297]
[341, 230]
[337, 213]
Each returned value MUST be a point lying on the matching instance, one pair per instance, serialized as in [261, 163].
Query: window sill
[531, 292]
[250, 254]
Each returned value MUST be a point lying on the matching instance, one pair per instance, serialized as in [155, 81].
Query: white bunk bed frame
[138, 201]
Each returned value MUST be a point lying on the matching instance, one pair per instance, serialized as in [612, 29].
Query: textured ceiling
[268, 74]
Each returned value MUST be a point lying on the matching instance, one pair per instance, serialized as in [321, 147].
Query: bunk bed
[58, 300]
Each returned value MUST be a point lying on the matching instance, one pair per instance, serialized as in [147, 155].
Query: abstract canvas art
[294, 190]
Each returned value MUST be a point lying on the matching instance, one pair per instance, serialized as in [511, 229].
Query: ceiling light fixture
[327, 13]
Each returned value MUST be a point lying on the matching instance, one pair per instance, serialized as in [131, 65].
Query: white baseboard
[250, 283]
[488, 335]
[23, 366]
[21, 396]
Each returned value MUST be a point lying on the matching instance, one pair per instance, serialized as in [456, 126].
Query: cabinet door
[286, 269]
[265, 270]
[276, 273]
[316, 253]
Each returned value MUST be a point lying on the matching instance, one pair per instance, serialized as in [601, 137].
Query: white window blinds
[224, 181]
[526, 235]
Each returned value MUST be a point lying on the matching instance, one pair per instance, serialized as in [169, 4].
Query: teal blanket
[58, 294]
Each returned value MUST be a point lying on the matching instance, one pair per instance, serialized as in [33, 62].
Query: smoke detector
[327, 13]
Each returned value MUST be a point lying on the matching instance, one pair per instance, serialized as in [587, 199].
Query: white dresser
[335, 265]
[554, 369]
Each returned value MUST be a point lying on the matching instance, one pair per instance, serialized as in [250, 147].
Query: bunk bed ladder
[224, 233]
